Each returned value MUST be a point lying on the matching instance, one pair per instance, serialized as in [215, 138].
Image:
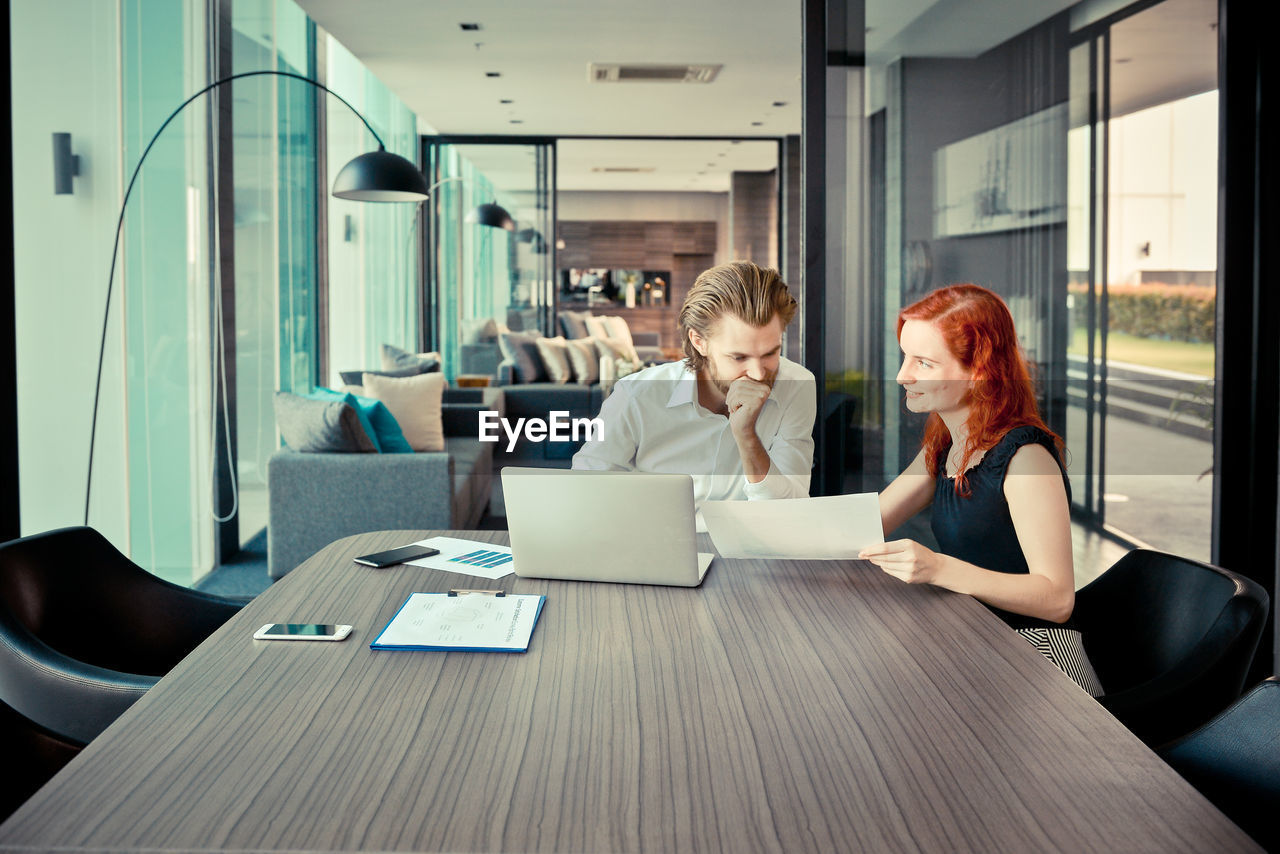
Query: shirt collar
[685, 388]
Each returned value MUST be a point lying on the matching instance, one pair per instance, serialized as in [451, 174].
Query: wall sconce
[65, 164]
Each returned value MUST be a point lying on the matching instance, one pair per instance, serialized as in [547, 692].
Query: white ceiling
[542, 51]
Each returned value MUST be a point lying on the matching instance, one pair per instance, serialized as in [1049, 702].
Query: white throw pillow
[584, 361]
[596, 327]
[555, 358]
[415, 402]
[620, 333]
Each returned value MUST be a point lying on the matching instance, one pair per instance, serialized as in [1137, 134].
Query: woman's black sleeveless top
[978, 528]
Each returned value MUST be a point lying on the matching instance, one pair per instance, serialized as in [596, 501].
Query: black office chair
[84, 632]
[1234, 760]
[1171, 640]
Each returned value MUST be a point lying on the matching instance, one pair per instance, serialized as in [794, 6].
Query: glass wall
[246, 156]
[372, 294]
[479, 273]
[274, 169]
[1143, 273]
[1070, 164]
[164, 290]
[110, 74]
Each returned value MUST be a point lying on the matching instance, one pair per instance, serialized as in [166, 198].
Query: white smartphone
[302, 631]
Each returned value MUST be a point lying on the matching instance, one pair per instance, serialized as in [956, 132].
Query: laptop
[620, 526]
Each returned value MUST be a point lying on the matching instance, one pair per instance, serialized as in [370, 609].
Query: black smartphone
[393, 556]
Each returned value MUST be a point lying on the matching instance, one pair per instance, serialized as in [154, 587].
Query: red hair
[978, 330]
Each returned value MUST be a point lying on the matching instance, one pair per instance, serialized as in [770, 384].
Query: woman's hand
[905, 559]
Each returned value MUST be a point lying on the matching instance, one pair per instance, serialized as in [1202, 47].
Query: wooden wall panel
[633, 244]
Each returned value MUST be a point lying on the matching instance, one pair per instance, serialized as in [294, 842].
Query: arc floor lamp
[375, 176]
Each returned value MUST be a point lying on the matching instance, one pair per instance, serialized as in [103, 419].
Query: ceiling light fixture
[493, 74]
[471, 28]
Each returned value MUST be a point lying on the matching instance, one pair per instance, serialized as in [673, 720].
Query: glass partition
[163, 289]
[1143, 274]
[1069, 163]
[372, 292]
[275, 185]
[476, 273]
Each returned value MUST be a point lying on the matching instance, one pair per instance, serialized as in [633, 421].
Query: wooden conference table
[783, 706]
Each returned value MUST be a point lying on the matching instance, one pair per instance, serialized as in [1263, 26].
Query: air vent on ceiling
[628, 169]
[614, 72]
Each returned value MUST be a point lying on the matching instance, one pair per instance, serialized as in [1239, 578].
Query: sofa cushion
[380, 424]
[584, 360]
[540, 399]
[320, 426]
[554, 353]
[620, 334]
[521, 348]
[349, 399]
[356, 377]
[574, 324]
[478, 330]
[415, 402]
[396, 359]
[596, 327]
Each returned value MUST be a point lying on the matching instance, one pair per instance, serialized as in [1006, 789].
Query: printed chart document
[468, 622]
[834, 527]
[469, 557]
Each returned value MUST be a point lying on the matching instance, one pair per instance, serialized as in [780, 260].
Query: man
[734, 414]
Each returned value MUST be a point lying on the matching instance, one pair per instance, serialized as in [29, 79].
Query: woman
[992, 470]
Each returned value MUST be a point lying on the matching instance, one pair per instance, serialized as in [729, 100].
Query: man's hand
[744, 401]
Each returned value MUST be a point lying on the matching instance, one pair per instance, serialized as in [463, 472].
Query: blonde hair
[751, 293]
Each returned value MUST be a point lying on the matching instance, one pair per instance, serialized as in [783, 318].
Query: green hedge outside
[1171, 312]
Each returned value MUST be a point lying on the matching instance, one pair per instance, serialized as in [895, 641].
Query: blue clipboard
[463, 621]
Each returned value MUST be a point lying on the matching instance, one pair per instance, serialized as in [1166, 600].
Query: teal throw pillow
[385, 426]
[350, 400]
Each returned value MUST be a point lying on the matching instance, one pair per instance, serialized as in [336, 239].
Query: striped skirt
[1065, 648]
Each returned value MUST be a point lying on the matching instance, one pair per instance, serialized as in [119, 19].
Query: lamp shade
[493, 215]
[380, 176]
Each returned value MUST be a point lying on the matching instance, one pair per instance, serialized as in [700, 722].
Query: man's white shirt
[654, 423]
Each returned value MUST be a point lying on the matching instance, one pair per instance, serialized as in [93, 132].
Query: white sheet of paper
[834, 527]
[452, 548]
[472, 621]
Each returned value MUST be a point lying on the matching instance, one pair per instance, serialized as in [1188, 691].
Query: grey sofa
[314, 499]
[539, 400]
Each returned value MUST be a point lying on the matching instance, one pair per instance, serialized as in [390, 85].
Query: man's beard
[723, 386]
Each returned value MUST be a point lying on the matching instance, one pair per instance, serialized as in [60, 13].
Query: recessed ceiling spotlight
[506, 101]
[779, 103]
[493, 74]
[471, 28]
